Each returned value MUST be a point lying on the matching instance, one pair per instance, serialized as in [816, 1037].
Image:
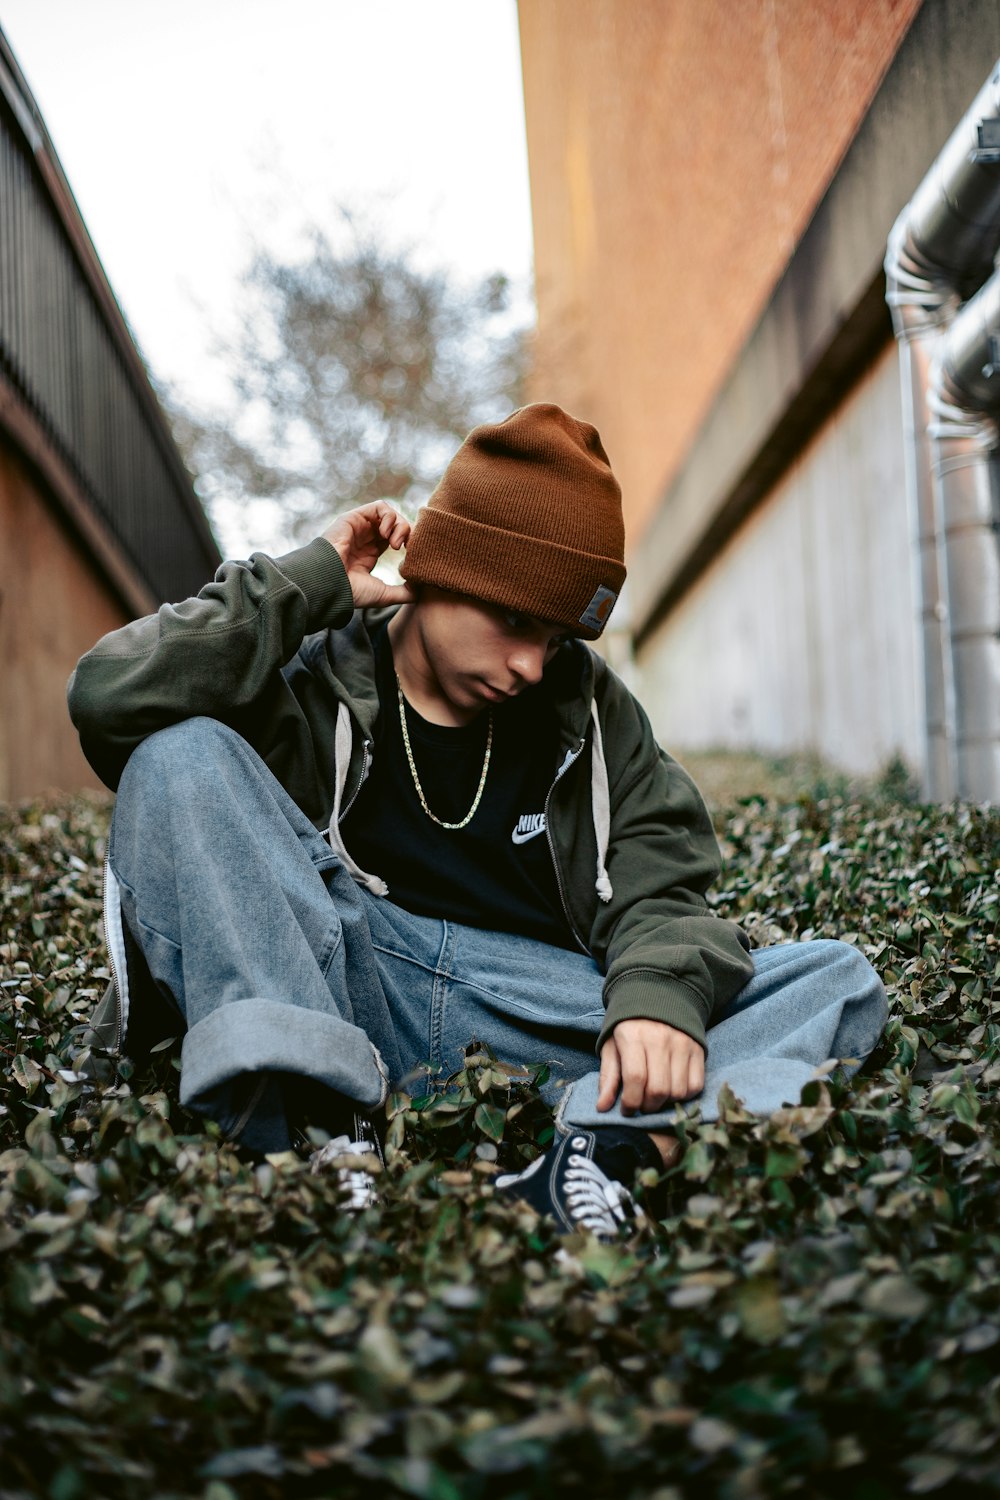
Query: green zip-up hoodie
[274, 648]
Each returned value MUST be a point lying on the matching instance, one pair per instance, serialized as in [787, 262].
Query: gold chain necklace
[416, 779]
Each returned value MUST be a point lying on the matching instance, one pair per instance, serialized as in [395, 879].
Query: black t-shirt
[496, 872]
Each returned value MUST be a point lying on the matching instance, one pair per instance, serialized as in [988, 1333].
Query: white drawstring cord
[343, 740]
[600, 797]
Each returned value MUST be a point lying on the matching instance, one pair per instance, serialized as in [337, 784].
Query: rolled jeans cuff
[256, 1035]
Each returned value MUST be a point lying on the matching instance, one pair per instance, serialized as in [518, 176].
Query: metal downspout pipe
[940, 250]
[964, 402]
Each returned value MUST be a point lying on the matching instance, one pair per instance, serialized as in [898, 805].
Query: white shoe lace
[593, 1200]
[355, 1179]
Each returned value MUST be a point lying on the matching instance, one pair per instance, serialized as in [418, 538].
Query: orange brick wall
[52, 609]
[677, 150]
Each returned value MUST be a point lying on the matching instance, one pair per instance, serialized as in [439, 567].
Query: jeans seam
[404, 958]
[442, 976]
[148, 927]
[325, 958]
[544, 1017]
[118, 877]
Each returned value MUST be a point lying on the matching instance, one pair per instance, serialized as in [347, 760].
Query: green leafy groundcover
[819, 1315]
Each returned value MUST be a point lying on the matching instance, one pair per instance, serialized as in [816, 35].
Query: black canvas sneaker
[584, 1181]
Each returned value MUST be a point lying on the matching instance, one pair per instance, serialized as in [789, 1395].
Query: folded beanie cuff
[528, 515]
[544, 579]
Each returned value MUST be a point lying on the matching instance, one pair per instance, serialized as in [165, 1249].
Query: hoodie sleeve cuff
[654, 997]
[316, 569]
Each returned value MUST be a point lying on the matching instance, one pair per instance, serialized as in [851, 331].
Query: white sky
[185, 125]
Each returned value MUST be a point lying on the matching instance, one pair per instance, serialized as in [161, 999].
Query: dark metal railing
[66, 352]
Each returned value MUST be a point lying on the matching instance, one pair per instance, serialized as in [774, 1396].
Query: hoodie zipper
[570, 759]
[366, 761]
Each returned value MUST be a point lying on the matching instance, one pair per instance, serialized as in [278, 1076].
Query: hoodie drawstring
[343, 740]
[600, 797]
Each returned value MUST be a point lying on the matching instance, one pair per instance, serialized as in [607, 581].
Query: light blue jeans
[285, 970]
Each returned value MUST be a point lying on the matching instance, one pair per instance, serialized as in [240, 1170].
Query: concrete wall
[713, 187]
[800, 635]
[677, 151]
[52, 608]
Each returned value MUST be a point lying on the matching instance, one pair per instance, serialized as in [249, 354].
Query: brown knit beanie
[528, 515]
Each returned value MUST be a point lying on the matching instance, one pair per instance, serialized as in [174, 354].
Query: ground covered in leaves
[820, 1315]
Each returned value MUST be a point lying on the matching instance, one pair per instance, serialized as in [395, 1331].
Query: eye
[526, 627]
[517, 623]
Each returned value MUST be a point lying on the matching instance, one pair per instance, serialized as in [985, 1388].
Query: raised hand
[361, 536]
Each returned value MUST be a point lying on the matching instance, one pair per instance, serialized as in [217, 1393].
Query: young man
[359, 825]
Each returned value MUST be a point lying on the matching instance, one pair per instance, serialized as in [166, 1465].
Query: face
[472, 655]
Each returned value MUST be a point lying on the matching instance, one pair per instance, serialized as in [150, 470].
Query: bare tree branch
[355, 374]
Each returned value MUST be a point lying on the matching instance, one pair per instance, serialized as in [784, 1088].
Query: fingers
[610, 1075]
[634, 1071]
[393, 528]
[656, 1064]
[677, 1074]
[375, 523]
[360, 537]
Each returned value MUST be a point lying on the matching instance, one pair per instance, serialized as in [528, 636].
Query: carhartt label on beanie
[595, 616]
[527, 516]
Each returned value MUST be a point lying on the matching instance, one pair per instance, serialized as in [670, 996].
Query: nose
[527, 663]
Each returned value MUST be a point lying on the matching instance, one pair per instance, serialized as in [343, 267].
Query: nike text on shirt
[529, 825]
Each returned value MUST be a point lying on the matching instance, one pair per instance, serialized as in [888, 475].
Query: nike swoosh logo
[521, 836]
